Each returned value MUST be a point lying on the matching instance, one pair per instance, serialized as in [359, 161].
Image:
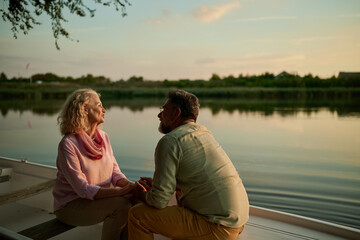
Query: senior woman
[86, 169]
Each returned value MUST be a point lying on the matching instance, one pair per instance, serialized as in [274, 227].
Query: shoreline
[51, 91]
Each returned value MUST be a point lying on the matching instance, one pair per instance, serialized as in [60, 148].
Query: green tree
[23, 14]
[47, 77]
[89, 78]
[267, 75]
[215, 77]
[135, 79]
[3, 77]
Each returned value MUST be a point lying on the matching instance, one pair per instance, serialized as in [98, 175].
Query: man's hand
[142, 187]
[146, 182]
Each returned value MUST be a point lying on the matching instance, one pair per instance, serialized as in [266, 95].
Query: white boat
[26, 201]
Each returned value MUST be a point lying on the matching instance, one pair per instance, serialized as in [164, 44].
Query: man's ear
[177, 113]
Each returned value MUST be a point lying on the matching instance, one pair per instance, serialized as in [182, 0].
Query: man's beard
[164, 129]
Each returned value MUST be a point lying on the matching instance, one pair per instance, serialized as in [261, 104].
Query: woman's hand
[124, 191]
[123, 182]
[128, 190]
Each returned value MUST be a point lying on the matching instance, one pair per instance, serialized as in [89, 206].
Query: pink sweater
[79, 176]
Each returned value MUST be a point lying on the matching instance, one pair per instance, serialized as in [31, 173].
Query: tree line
[283, 80]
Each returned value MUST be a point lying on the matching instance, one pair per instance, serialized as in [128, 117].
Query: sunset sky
[164, 39]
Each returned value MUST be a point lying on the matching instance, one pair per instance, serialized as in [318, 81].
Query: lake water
[295, 158]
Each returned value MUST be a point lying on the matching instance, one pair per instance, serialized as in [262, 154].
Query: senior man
[212, 201]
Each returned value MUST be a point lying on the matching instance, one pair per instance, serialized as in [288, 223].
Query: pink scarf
[93, 148]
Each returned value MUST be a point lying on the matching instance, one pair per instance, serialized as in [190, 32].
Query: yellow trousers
[112, 211]
[176, 223]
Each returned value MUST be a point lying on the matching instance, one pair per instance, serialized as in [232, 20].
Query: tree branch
[18, 13]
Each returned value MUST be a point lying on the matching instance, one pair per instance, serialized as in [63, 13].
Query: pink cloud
[208, 14]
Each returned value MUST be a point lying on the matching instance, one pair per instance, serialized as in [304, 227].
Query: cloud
[166, 13]
[163, 20]
[90, 29]
[253, 63]
[313, 39]
[156, 21]
[261, 59]
[206, 61]
[266, 18]
[350, 15]
[208, 14]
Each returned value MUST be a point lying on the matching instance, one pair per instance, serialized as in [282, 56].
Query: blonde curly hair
[72, 117]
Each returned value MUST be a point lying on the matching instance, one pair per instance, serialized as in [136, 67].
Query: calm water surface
[303, 161]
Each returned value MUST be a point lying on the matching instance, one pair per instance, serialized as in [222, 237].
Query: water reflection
[294, 156]
[265, 107]
[37, 107]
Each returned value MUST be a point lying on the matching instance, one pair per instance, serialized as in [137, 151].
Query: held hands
[127, 191]
[142, 187]
[146, 182]
[124, 188]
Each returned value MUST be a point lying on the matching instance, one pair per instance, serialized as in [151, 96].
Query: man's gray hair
[187, 102]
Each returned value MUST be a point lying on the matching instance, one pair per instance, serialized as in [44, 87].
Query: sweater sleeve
[167, 155]
[69, 164]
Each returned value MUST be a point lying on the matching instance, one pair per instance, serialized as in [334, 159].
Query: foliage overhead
[23, 14]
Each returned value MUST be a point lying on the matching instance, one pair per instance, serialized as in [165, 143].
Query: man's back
[209, 183]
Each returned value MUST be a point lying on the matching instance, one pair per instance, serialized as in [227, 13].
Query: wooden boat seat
[46, 230]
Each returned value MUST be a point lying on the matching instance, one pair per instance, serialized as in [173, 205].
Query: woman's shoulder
[68, 139]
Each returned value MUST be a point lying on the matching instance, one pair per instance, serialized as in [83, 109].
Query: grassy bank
[60, 91]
